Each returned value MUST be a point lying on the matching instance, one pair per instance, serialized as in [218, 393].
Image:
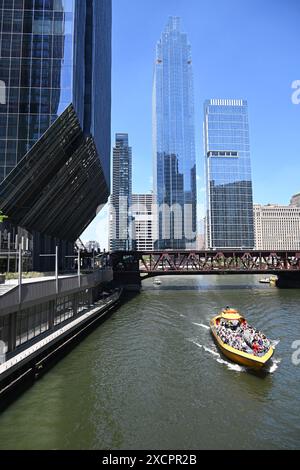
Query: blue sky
[241, 49]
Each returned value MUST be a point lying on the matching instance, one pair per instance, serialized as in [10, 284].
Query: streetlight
[56, 266]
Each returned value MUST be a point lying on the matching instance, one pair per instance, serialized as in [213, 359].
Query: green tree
[2, 217]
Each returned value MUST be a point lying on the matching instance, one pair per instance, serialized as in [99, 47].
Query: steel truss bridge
[160, 263]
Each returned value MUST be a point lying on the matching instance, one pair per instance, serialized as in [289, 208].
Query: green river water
[151, 377]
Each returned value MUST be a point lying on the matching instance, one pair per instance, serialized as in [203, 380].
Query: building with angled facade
[55, 128]
[174, 140]
[229, 222]
[54, 118]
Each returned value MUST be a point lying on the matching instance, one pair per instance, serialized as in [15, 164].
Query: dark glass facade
[55, 53]
[174, 140]
[121, 198]
[230, 219]
[36, 65]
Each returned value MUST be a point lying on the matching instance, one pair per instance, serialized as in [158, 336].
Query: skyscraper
[228, 173]
[142, 211]
[121, 224]
[174, 140]
[55, 72]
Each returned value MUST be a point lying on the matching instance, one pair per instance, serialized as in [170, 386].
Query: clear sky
[246, 49]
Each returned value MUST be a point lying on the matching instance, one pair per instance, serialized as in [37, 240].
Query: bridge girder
[166, 262]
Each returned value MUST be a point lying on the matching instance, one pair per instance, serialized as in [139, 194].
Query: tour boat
[265, 280]
[268, 280]
[236, 355]
[157, 282]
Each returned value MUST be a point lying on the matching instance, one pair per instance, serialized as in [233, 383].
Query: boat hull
[240, 357]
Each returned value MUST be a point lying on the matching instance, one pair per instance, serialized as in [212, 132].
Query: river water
[151, 377]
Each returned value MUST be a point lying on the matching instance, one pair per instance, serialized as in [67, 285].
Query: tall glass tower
[228, 171]
[121, 224]
[174, 140]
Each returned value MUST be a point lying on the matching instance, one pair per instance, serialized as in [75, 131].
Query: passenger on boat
[242, 337]
[256, 348]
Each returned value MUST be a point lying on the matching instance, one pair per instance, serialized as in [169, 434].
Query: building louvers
[59, 184]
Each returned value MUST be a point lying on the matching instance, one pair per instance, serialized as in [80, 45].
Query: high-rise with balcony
[55, 108]
[228, 175]
[121, 224]
[174, 140]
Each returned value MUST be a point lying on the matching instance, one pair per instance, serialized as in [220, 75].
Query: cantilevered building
[174, 140]
[55, 116]
[228, 175]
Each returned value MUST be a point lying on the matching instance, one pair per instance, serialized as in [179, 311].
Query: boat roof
[231, 314]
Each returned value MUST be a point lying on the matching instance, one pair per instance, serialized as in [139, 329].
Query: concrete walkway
[12, 283]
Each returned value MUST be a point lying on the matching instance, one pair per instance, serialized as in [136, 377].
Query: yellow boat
[235, 355]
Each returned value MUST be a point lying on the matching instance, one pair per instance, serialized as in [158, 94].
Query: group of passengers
[241, 336]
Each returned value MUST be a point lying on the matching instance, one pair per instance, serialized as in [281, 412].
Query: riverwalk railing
[33, 290]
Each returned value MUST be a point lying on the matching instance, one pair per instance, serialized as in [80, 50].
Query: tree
[2, 217]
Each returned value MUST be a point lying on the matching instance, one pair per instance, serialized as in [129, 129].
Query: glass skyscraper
[55, 77]
[228, 170]
[174, 140]
[121, 223]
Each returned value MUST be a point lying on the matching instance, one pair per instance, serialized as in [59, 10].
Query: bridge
[131, 267]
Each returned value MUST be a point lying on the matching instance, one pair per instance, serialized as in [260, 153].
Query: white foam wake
[202, 326]
[274, 365]
[229, 365]
[275, 342]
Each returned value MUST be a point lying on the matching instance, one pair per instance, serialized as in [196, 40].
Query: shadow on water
[261, 373]
[200, 288]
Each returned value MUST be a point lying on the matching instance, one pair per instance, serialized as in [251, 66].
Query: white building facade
[142, 212]
[277, 227]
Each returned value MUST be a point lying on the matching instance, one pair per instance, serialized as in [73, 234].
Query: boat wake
[218, 358]
[202, 326]
[273, 366]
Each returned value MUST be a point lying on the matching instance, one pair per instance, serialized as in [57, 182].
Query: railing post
[8, 258]
[56, 270]
[78, 270]
[20, 274]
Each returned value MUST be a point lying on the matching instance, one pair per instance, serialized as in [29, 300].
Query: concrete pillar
[75, 304]
[12, 336]
[288, 280]
[52, 308]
